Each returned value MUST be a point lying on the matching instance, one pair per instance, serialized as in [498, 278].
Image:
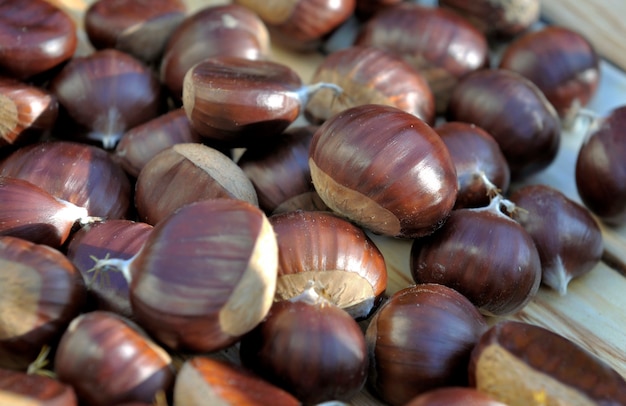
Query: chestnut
[419, 340]
[228, 29]
[365, 9]
[454, 396]
[369, 75]
[35, 38]
[515, 112]
[40, 293]
[439, 43]
[601, 169]
[481, 168]
[108, 359]
[561, 62]
[202, 380]
[337, 255]
[163, 184]
[520, 364]
[20, 388]
[384, 169]
[307, 201]
[308, 333]
[132, 27]
[105, 93]
[567, 237]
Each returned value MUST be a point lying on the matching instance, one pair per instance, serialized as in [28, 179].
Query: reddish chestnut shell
[20, 388]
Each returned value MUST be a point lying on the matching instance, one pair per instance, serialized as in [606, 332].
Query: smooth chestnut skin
[107, 239]
[138, 27]
[567, 237]
[439, 43]
[369, 75]
[516, 362]
[367, 8]
[20, 388]
[228, 29]
[483, 254]
[35, 37]
[108, 360]
[454, 396]
[419, 340]
[515, 112]
[241, 102]
[202, 380]
[26, 112]
[384, 169]
[309, 347]
[40, 292]
[81, 174]
[106, 93]
[561, 62]
[601, 168]
[322, 247]
[477, 156]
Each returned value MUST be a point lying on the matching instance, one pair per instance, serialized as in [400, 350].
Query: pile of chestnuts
[186, 220]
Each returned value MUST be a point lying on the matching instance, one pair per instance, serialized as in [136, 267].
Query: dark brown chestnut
[20, 388]
[163, 185]
[384, 169]
[567, 237]
[106, 93]
[81, 174]
[438, 42]
[521, 364]
[308, 333]
[601, 168]
[561, 62]
[205, 276]
[369, 75]
[481, 168]
[367, 8]
[40, 293]
[333, 253]
[27, 112]
[483, 254]
[35, 37]
[515, 112]
[228, 29]
[454, 396]
[108, 360]
[307, 201]
[419, 340]
[202, 380]
[133, 26]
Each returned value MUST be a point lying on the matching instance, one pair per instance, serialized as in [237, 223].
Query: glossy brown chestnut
[301, 24]
[163, 185]
[567, 237]
[137, 27]
[481, 168]
[369, 75]
[601, 168]
[279, 168]
[515, 112]
[19, 388]
[228, 29]
[81, 174]
[438, 42]
[521, 364]
[454, 396]
[106, 93]
[483, 254]
[308, 201]
[310, 347]
[419, 340]
[26, 112]
[205, 276]
[561, 62]
[108, 360]
[497, 18]
[202, 381]
[35, 37]
[107, 239]
[333, 253]
[384, 169]
[40, 293]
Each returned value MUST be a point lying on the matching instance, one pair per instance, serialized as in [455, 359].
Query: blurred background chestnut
[19, 388]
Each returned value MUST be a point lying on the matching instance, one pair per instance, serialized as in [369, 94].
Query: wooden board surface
[593, 313]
